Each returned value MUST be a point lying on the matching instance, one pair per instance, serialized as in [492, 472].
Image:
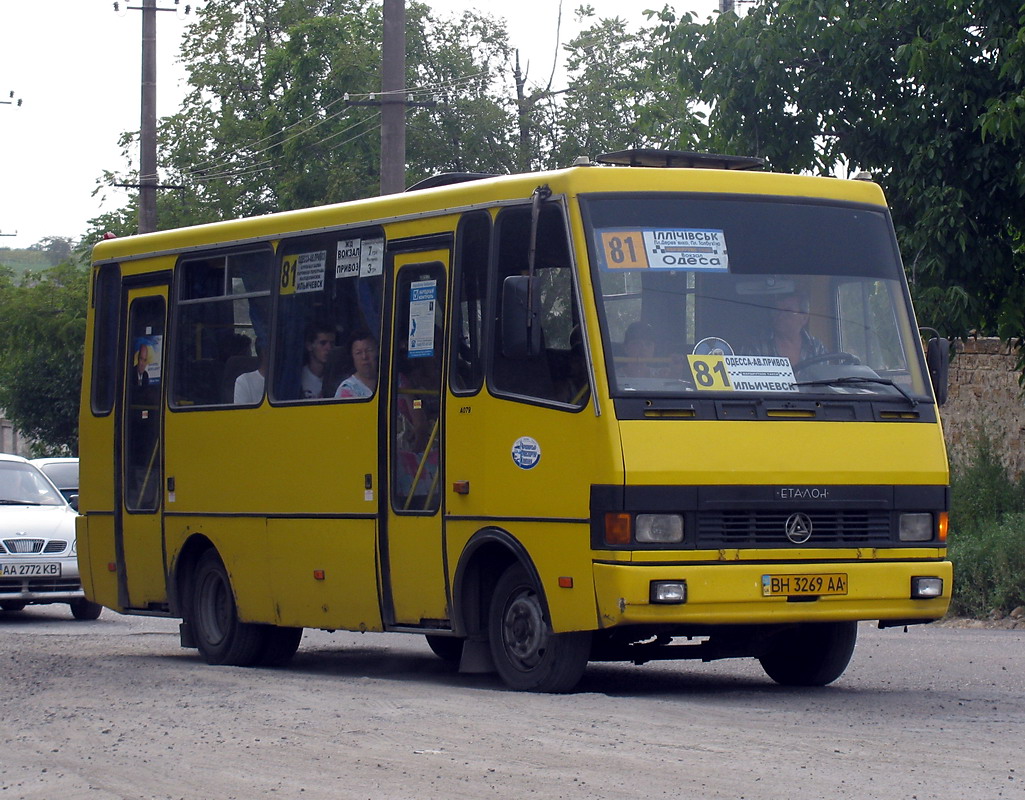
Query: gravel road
[116, 709]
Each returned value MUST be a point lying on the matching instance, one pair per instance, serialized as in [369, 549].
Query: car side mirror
[73, 501]
[521, 317]
[937, 357]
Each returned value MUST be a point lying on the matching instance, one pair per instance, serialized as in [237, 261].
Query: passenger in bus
[249, 385]
[788, 334]
[320, 341]
[363, 382]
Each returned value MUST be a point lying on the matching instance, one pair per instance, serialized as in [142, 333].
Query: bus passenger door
[412, 548]
[138, 538]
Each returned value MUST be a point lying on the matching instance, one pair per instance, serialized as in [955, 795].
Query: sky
[76, 65]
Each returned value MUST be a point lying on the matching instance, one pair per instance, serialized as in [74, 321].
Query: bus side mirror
[937, 356]
[521, 317]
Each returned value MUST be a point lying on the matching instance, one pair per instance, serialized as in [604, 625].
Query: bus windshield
[770, 297]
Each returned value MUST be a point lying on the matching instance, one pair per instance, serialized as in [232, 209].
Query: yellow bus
[658, 405]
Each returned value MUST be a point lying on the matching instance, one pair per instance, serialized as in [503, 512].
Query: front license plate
[51, 569]
[804, 585]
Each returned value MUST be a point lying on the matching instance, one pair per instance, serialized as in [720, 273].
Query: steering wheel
[840, 357]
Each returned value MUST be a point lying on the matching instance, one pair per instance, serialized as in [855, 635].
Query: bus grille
[755, 528]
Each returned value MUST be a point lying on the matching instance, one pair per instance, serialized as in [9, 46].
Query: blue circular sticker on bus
[526, 452]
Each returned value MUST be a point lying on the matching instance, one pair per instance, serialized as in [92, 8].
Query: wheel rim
[524, 632]
[216, 608]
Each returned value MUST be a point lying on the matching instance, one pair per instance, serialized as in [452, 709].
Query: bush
[987, 534]
[989, 567]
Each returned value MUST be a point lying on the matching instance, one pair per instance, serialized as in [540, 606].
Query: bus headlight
[659, 528]
[916, 527]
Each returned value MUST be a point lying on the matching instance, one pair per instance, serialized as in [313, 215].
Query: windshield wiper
[18, 503]
[855, 379]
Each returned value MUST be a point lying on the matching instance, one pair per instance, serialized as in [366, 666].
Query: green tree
[42, 334]
[619, 95]
[284, 111]
[927, 96]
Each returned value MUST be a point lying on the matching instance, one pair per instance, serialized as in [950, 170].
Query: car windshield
[24, 485]
[63, 473]
[704, 294]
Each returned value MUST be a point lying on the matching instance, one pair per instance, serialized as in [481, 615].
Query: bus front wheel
[222, 638]
[810, 654]
[527, 654]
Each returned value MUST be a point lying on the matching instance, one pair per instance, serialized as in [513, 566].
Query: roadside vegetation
[987, 534]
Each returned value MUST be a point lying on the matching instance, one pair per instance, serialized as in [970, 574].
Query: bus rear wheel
[810, 654]
[222, 638]
[279, 645]
[527, 654]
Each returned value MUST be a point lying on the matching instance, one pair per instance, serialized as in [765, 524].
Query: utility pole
[148, 123]
[148, 183]
[393, 98]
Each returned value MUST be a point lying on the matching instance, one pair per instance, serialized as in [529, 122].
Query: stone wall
[11, 441]
[984, 391]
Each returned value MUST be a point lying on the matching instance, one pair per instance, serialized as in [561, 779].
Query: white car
[38, 556]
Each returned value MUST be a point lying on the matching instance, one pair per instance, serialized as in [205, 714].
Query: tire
[527, 654]
[222, 638]
[447, 648]
[811, 654]
[279, 645]
[85, 610]
[12, 605]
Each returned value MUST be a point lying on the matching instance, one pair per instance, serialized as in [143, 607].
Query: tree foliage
[927, 96]
[42, 333]
[284, 107]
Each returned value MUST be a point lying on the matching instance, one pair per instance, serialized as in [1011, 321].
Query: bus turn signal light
[943, 522]
[617, 528]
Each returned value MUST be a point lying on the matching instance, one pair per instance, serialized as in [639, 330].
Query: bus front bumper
[757, 593]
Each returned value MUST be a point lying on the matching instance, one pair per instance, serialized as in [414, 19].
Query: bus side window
[472, 246]
[558, 373]
[329, 286]
[221, 317]
[107, 301]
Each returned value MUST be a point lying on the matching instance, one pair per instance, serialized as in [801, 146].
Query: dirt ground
[116, 709]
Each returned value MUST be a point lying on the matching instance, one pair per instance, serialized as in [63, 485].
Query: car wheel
[12, 605]
[85, 609]
[527, 654]
[221, 637]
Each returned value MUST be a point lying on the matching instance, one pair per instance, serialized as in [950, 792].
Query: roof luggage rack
[678, 158]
